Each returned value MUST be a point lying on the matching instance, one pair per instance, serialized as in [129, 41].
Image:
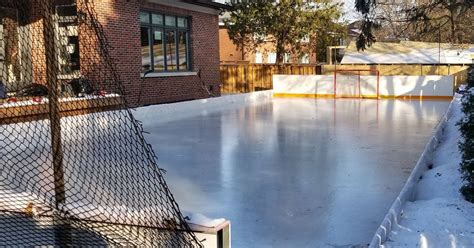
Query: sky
[349, 9]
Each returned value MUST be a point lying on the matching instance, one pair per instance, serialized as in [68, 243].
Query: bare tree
[425, 20]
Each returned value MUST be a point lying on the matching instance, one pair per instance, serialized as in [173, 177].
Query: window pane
[183, 51]
[182, 22]
[304, 59]
[68, 39]
[73, 50]
[287, 58]
[158, 53]
[170, 21]
[157, 19]
[146, 58]
[144, 17]
[258, 58]
[271, 58]
[171, 50]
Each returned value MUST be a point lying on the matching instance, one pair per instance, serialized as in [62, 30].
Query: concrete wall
[435, 87]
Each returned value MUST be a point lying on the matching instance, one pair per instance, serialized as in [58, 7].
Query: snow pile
[439, 216]
[44, 100]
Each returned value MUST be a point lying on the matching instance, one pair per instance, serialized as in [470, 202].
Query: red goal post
[358, 91]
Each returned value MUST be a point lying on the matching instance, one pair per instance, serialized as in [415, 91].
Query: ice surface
[295, 172]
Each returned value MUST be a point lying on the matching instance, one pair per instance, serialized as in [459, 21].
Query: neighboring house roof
[353, 29]
[410, 52]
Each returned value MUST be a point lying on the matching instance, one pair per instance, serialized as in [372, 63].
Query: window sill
[69, 76]
[168, 74]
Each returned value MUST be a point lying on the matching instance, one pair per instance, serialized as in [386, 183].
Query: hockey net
[75, 169]
[356, 83]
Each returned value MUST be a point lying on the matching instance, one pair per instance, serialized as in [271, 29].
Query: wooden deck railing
[26, 110]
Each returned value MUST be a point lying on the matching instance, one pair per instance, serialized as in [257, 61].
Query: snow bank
[440, 222]
[438, 216]
[161, 113]
[44, 100]
[415, 56]
[19, 201]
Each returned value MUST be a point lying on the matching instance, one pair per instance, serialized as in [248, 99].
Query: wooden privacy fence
[242, 78]
[459, 72]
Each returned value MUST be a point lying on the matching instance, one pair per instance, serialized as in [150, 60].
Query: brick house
[264, 54]
[164, 50]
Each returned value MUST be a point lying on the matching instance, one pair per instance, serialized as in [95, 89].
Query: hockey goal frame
[359, 95]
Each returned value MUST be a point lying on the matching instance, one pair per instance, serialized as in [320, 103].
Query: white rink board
[303, 84]
[389, 86]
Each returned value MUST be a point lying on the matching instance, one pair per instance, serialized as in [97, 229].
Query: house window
[258, 58]
[165, 42]
[272, 58]
[68, 37]
[10, 46]
[287, 58]
[304, 59]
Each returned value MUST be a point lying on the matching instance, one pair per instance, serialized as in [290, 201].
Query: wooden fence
[242, 78]
[458, 71]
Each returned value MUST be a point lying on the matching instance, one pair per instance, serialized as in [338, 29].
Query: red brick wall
[38, 46]
[120, 20]
[228, 50]
[230, 53]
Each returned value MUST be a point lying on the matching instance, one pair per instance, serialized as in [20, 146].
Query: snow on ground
[439, 217]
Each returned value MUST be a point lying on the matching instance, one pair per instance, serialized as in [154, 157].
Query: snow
[408, 52]
[202, 220]
[440, 222]
[419, 56]
[439, 216]
[43, 100]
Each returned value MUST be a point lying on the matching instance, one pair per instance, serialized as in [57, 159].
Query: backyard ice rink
[294, 172]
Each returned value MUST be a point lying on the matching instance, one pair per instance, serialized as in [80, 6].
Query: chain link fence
[75, 169]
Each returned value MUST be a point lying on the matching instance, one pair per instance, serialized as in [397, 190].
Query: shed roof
[410, 52]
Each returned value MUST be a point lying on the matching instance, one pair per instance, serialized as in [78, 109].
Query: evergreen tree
[466, 145]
